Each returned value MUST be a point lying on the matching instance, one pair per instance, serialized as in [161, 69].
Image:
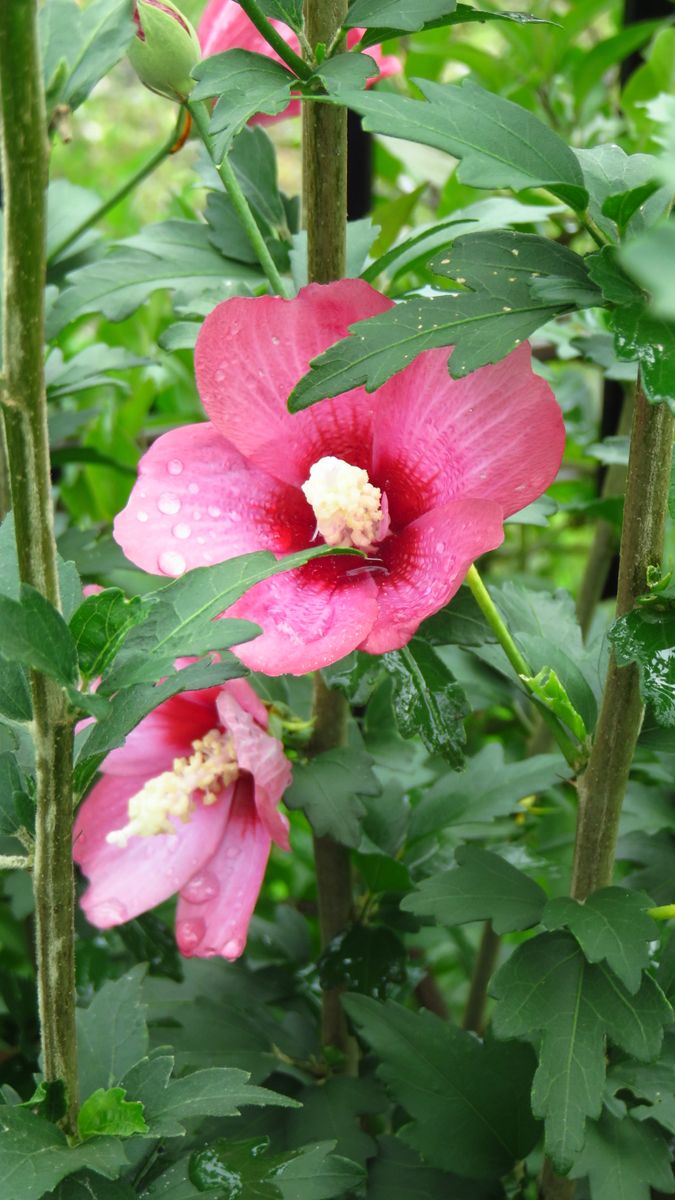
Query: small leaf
[646, 636]
[344, 72]
[245, 84]
[427, 700]
[622, 1158]
[482, 887]
[100, 625]
[651, 341]
[329, 789]
[288, 11]
[615, 285]
[112, 1033]
[462, 14]
[366, 958]
[109, 1113]
[32, 632]
[621, 207]
[397, 15]
[612, 925]
[548, 688]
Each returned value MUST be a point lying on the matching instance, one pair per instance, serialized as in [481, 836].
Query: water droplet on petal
[189, 934]
[168, 504]
[275, 340]
[181, 531]
[214, 511]
[233, 948]
[170, 562]
[220, 375]
[107, 913]
[202, 887]
[440, 547]
[193, 488]
[174, 466]
[141, 516]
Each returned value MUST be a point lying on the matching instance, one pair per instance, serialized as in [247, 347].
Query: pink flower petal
[165, 734]
[197, 501]
[214, 909]
[497, 434]
[251, 352]
[247, 699]
[263, 757]
[128, 880]
[427, 563]
[310, 617]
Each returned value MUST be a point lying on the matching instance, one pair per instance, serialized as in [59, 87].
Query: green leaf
[427, 700]
[35, 1155]
[32, 632]
[622, 1158]
[329, 789]
[447, 1080]
[547, 985]
[245, 84]
[109, 1113]
[483, 325]
[245, 1169]
[12, 795]
[83, 371]
[183, 618]
[84, 1186]
[548, 688]
[100, 625]
[501, 145]
[15, 701]
[288, 11]
[489, 787]
[398, 15]
[253, 159]
[172, 254]
[611, 926]
[365, 958]
[462, 14]
[650, 260]
[651, 1082]
[621, 207]
[315, 1173]
[610, 172]
[337, 1110]
[215, 1092]
[89, 40]
[398, 1173]
[112, 1034]
[651, 341]
[460, 623]
[344, 72]
[482, 887]
[646, 636]
[615, 285]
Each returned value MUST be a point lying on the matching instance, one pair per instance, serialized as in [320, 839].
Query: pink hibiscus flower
[187, 805]
[225, 26]
[420, 474]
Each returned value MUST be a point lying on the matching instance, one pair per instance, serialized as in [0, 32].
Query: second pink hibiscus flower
[420, 474]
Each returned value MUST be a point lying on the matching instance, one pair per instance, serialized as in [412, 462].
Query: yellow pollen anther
[348, 509]
[209, 769]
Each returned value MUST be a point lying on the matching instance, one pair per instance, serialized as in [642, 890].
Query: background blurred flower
[420, 474]
[203, 765]
[225, 26]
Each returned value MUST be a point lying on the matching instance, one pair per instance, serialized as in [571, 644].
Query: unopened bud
[165, 49]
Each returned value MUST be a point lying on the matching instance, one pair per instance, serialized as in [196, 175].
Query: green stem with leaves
[24, 174]
[274, 39]
[200, 115]
[324, 157]
[125, 190]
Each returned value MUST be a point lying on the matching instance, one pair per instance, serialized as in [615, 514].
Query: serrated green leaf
[172, 254]
[315, 1173]
[33, 633]
[398, 1173]
[344, 72]
[87, 369]
[462, 14]
[15, 701]
[547, 985]
[365, 958]
[483, 325]
[288, 11]
[85, 1186]
[329, 789]
[638, 335]
[100, 625]
[35, 1155]
[245, 84]
[460, 623]
[646, 636]
[427, 700]
[501, 145]
[622, 1158]
[183, 618]
[612, 925]
[398, 15]
[90, 41]
[336, 1110]
[448, 1080]
[112, 1033]
[608, 171]
[621, 207]
[482, 887]
[108, 1112]
[651, 1082]
[614, 284]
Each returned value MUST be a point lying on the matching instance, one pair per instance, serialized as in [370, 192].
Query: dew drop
[174, 466]
[220, 376]
[189, 934]
[193, 488]
[440, 547]
[181, 531]
[170, 562]
[213, 510]
[141, 516]
[107, 913]
[233, 948]
[202, 887]
[168, 504]
[275, 340]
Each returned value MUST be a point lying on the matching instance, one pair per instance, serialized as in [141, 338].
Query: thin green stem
[131, 184]
[571, 751]
[274, 39]
[24, 175]
[586, 221]
[200, 115]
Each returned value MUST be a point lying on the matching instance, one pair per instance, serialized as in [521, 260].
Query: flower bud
[165, 49]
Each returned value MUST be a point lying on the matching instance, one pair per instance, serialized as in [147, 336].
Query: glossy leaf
[427, 700]
[329, 789]
[483, 886]
[366, 958]
[646, 636]
[612, 926]
[447, 1080]
[110, 1113]
[651, 341]
[547, 985]
[483, 324]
